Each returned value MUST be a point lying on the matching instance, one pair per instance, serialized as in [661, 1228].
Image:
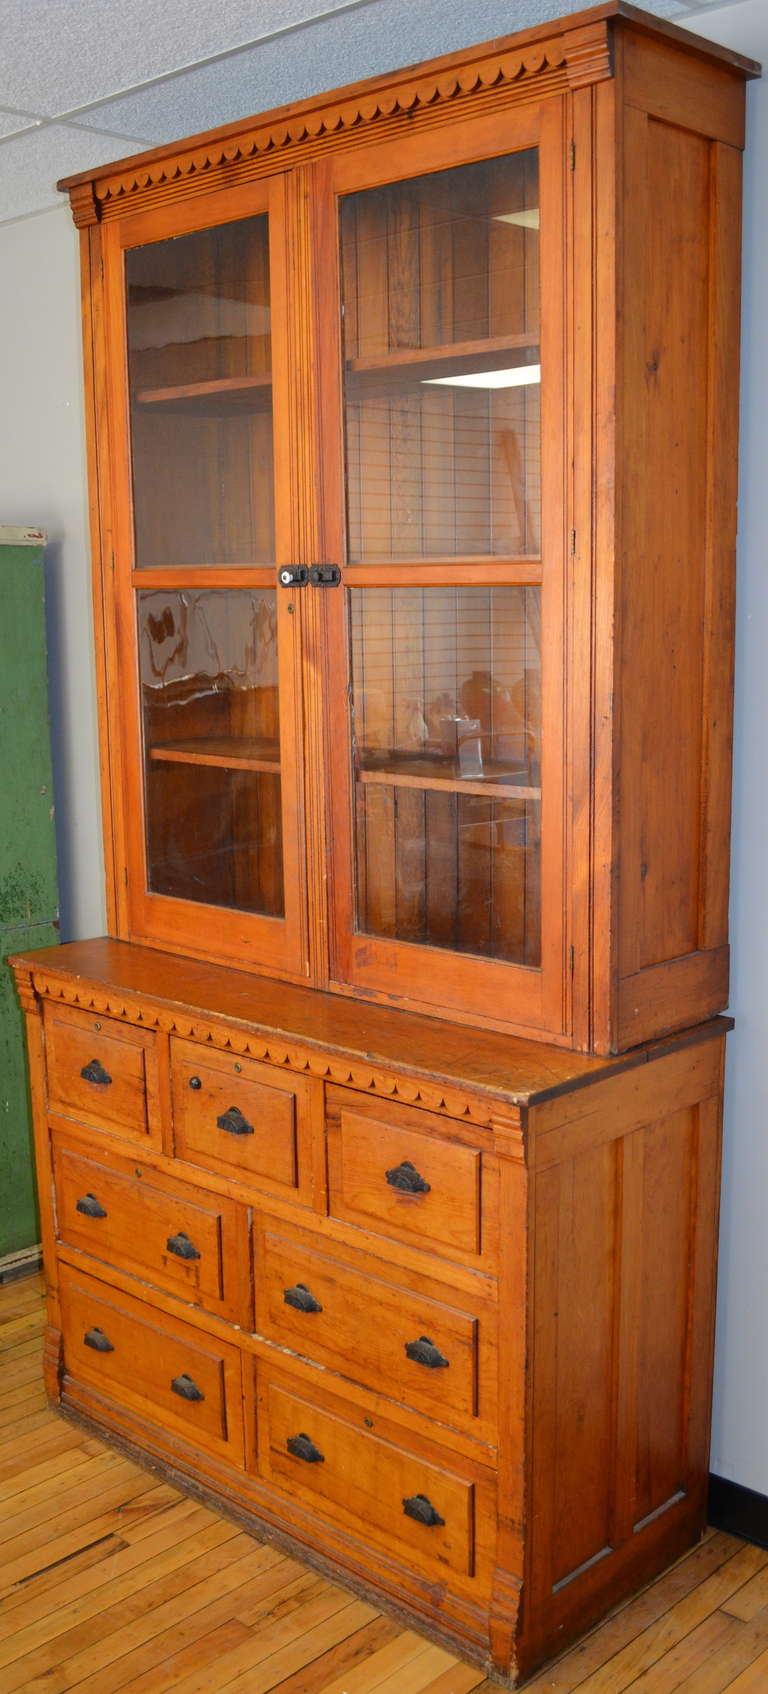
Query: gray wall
[42, 481]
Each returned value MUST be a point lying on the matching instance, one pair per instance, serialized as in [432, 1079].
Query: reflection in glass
[209, 687]
[442, 364]
[199, 358]
[446, 687]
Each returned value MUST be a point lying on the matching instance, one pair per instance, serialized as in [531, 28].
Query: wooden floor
[111, 1581]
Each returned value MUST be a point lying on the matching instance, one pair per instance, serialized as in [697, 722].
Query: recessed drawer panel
[422, 1509]
[102, 1071]
[243, 1119]
[428, 1353]
[165, 1370]
[390, 1170]
[182, 1239]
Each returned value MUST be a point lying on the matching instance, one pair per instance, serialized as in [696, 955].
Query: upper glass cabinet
[442, 364]
[200, 368]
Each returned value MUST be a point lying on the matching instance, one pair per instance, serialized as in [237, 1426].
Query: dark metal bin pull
[406, 1177]
[182, 1246]
[98, 1341]
[94, 1072]
[422, 1511]
[303, 1448]
[301, 1299]
[186, 1388]
[234, 1123]
[90, 1207]
[424, 1352]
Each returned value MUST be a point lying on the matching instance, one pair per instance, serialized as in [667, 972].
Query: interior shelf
[229, 752]
[217, 398]
[456, 358]
[496, 781]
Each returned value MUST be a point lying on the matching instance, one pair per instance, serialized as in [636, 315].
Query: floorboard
[111, 1583]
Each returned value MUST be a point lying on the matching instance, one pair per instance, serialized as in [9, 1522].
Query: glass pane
[209, 686]
[442, 364]
[446, 701]
[199, 360]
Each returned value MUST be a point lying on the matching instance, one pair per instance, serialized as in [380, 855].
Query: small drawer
[102, 1071]
[426, 1352]
[182, 1239]
[244, 1119]
[393, 1169]
[422, 1509]
[165, 1370]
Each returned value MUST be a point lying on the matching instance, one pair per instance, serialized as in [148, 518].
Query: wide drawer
[163, 1369]
[422, 1510]
[187, 1241]
[395, 1170]
[244, 1119]
[429, 1353]
[102, 1071]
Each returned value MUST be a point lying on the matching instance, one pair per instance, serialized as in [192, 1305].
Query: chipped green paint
[28, 883]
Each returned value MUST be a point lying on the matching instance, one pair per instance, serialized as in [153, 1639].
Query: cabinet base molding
[466, 1635]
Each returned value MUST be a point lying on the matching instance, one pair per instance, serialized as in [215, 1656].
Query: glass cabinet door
[214, 861]
[444, 363]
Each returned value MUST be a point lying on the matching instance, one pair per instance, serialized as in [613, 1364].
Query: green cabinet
[28, 882]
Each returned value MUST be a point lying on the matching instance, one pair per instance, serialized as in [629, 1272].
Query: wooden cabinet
[379, 1146]
[413, 445]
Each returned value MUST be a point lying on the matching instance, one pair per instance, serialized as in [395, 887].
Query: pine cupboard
[379, 1144]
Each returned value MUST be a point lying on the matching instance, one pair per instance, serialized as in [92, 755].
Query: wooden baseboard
[23, 1263]
[739, 1511]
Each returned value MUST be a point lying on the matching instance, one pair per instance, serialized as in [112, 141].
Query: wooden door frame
[363, 965]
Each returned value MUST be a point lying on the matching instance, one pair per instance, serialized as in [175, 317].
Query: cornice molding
[457, 1103]
[569, 60]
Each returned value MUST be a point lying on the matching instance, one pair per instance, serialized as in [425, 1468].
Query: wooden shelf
[218, 398]
[228, 752]
[432, 772]
[419, 364]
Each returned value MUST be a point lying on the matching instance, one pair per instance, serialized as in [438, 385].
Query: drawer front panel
[166, 1370]
[416, 1349]
[102, 1071]
[191, 1243]
[388, 1173]
[242, 1119]
[354, 1474]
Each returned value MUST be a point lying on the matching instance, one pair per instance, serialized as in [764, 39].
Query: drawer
[393, 1169]
[163, 1369]
[244, 1119]
[426, 1352]
[191, 1243]
[102, 1071]
[424, 1510]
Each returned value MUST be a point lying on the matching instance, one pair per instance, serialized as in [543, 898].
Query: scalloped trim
[582, 55]
[271, 1050]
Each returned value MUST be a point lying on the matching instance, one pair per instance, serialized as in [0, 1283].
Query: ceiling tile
[57, 56]
[326, 54]
[30, 165]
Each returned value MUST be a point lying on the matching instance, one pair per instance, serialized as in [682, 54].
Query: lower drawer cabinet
[423, 1511]
[182, 1239]
[164, 1370]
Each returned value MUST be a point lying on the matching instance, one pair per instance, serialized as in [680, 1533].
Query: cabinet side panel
[675, 567]
[622, 1308]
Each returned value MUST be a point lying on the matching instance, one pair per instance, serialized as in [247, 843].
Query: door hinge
[125, 875]
[571, 958]
[573, 541]
[572, 155]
